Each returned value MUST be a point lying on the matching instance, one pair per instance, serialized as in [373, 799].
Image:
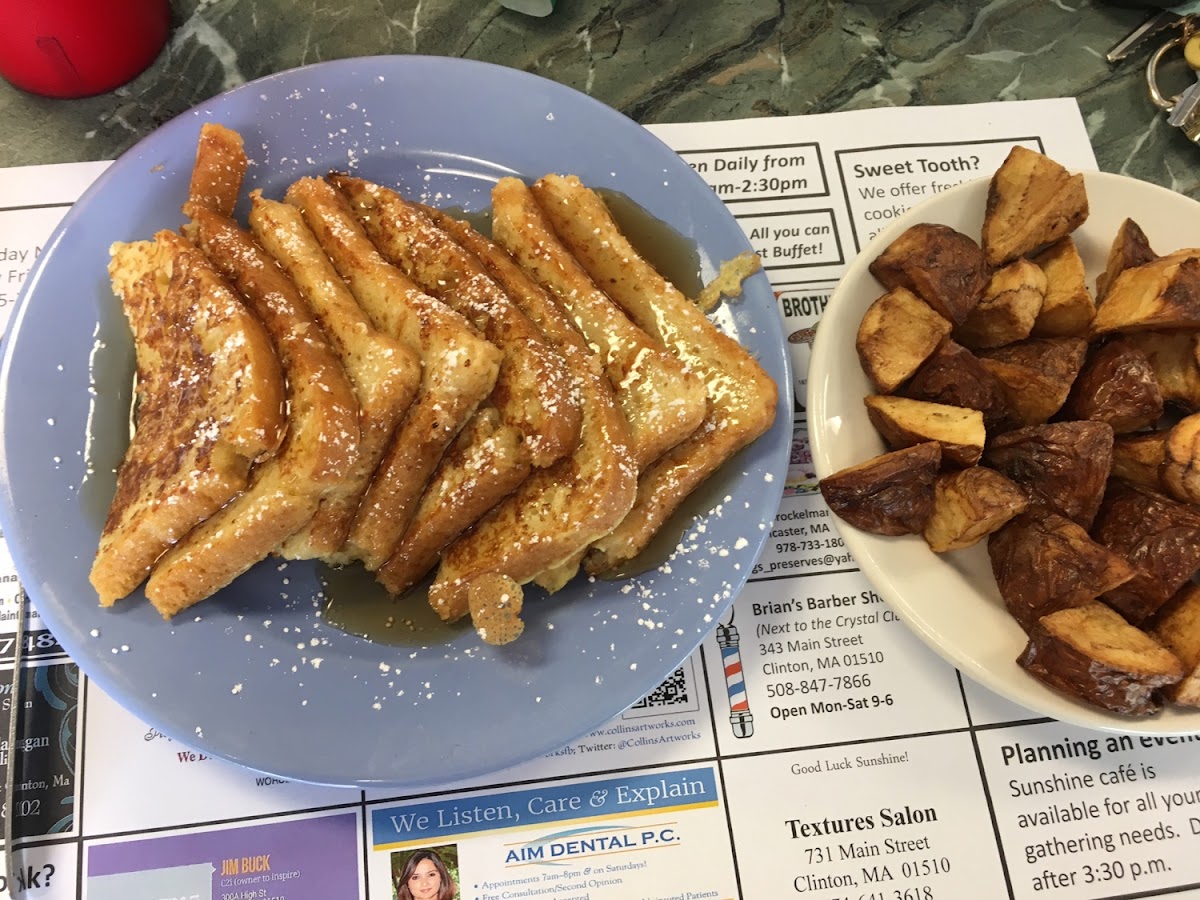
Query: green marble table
[661, 61]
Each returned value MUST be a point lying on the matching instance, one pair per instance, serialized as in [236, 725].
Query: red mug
[75, 48]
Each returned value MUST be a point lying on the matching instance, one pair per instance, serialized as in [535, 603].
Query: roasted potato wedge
[1117, 386]
[1068, 308]
[1062, 467]
[1157, 536]
[1174, 357]
[968, 505]
[1044, 563]
[898, 332]
[888, 494]
[1008, 309]
[903, 422]
[1138, 458]
[953, 375]
[942, 266]
[1181, 467]
[1159, 295]
[1032, 201]
[1130, 248]
[1091, 653]
[1036, 375]
[1177, 626]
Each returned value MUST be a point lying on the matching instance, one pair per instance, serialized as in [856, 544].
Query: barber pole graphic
[740, 717]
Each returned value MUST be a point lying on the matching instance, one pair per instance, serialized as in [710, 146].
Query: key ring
[1179, 40]
[1156, 95]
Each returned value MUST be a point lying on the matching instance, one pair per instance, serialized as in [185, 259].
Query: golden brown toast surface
[422, 379]
[542, 309]
[459, 369]
[552, 320]
[210, 402]
[485, 464]
[741, 396]
[321, 444]
[557, 512]
[662, 402]
[218, 171]
[532, 391]
[554, 514]
[384, 372]
[319, 392]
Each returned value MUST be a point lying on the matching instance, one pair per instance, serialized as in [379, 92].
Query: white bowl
[951, 601]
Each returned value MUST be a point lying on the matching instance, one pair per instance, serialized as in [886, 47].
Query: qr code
[673, 695]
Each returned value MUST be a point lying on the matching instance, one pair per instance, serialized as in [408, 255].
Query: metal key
[1185, 114]
[1153, 25]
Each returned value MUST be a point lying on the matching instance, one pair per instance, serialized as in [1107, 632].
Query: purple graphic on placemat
[312, 859]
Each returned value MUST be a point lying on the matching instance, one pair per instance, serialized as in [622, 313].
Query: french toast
[385, 373]
[486, 463]
[459, 370]
[662, 401]
[741, 396]
[217, 174]
[424, 384]
[532, 299]
[557, 512]
[210, 403]
[320, 448]
[532, 391]
[466, 492]
[545, 522]
[554, 322]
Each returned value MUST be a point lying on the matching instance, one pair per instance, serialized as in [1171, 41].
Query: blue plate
[257, 674]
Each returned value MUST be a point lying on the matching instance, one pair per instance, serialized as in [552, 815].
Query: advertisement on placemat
[615, 837]
[296, 859]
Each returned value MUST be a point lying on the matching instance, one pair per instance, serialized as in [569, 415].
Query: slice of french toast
[486, 463]
[217, 174]
[662, 401]
[385, 373]
[559, 511]
[459, 370]
[210, 402]
[532, 299]
[556, 324]
[320, 448]
[741, 396]
[532, 391]
[544, 523]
